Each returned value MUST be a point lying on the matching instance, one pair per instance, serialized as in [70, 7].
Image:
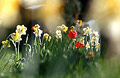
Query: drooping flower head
[21, 29]
[6, 43]
[16, 37]
[90, 55]
[72, 34]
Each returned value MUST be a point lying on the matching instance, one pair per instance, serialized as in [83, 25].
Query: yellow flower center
[46, 36]
[93, 34]
[16, 36]
[97, 46]
[22, 30]
[87, 46]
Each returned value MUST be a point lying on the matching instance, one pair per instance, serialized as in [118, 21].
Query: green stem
[18, 51]
[35, 45]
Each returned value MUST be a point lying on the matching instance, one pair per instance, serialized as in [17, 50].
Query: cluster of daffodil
[21, 30]
[88, 44]
[15, 38]
[90, 41]
[93, 38]
[59, 31]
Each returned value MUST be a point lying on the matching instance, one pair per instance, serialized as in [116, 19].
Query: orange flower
[36, 27]
[80, 22]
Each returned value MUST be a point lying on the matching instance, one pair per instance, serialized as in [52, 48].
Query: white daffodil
[95, 34]
[16, 37]
[94, 40]
[58, 34]
[97, 46]
[87, 31]
[36, 27]
[82, 40]
[21, 29]
[38, 33]
[59, 27]
[62, 28]
[87, 45]
[46, 36]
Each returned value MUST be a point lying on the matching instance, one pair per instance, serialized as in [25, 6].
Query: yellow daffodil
[6, 43]
[58, 34]
[87, 45]
[46, 35]
[64, 28]
[36, 27]
[21, 30]
[16, 37]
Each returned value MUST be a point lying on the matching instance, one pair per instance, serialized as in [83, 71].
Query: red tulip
[79, 45]
[72, 34]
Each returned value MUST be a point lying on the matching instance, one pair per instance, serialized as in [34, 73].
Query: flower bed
[56, 53]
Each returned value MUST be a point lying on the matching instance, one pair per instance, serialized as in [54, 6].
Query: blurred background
[47, 13]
